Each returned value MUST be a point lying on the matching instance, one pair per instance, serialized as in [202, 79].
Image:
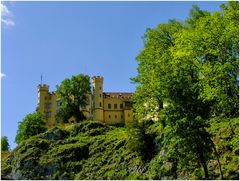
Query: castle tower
[97, 85]
[42, 94]
[47, 104]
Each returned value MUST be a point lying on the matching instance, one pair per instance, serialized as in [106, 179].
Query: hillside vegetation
[186, 111]
[91, 150]
[88, 150]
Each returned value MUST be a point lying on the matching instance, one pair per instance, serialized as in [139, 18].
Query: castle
[106, 107]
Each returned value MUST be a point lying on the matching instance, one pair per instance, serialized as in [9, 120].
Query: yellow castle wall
[97, 109]
[113, 115]
[97, 85]
[128, 115]
[87, 110]
[47, 105]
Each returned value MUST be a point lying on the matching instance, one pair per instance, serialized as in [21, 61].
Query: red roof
[122, 95]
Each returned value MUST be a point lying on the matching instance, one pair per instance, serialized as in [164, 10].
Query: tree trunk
[174, 169]
[219, 164]
[205, 169]
[203, 163]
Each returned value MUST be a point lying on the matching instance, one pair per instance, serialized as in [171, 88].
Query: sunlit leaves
[73, 93]
[193, 67]
[31, 125]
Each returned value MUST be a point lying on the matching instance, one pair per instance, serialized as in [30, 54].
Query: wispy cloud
[3, 75]
[6, 16]
[8, 22]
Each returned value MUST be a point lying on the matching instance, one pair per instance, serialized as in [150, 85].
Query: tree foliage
[74, 94]
[186, 105]
[139, 140]
[4, 144]
[191, 67]
[31, 125]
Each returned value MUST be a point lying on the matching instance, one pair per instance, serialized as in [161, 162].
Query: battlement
[118, 95]
[43, 87]
[99, 78]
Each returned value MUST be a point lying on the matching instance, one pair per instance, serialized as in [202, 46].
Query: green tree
[74, 94]
[139, 140]
[4, 143]
[154, 67]
[31, 125]
[195, 14]
[192, 67]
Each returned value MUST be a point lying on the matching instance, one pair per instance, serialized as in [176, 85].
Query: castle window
[128, 115]
[115, 116]
[48, 114]
[128, 104]
[48, 105]
[100, 104]
[109, 116]
[109, 106]
[115, 106]
[121, 106]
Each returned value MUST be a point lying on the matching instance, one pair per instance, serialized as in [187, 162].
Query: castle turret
[47, 104]
[97, 85]
[42, 94]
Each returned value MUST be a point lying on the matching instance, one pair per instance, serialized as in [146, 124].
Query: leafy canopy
[4, 144]
[74, 95]
[31, 125]
[192, 68]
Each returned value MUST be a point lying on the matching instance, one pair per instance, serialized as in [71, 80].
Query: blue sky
[61, 39]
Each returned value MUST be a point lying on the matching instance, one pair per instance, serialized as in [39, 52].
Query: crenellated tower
[42, 94]
[97, 86]
[47, 104]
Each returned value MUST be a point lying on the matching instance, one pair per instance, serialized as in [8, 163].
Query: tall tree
[153, 67]
[74, 94]
[4, 144]
[31, 125]
[193, 68]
